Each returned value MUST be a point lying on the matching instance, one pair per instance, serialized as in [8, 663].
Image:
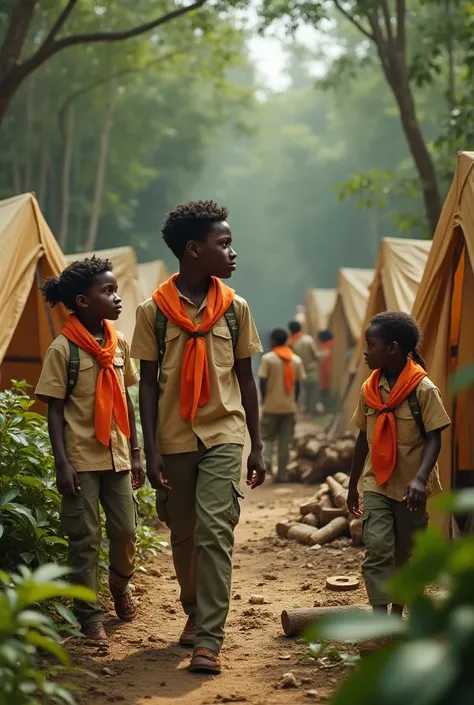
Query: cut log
[338, 493]
[295, 622]
[356, 532]
[342, 478]
[327, 514]
[324, 489]
[302, 533]
[324, 501]
[310, 449]
[283, 527]
[335, 528]
[310, 520]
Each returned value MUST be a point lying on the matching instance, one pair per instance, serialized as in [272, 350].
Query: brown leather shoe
[95, 634]
[205, 661]
[189, 632]
[125, 607]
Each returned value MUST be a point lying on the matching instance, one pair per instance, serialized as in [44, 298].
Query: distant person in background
[281, 373]
[305, 347]
[326, 344]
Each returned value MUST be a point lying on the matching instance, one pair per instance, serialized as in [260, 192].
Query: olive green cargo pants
[80, 522]
[279, 428]
[388, 531]
[201, 510]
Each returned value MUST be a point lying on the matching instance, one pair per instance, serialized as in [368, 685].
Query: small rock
[306, 586]
[306, 681]
[260, 505]
[163, 684]
[288, 681]
[237, 597]
[106, 671]
[315, 547]
[260, 584]
[312, 694]
[285, 657]
[269, 576]
[155, 572]
[257, 600]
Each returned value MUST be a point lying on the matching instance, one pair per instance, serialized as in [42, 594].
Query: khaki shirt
[306, 348]
[222, 419]
[410, 443]
[83, 450]
[277, 401]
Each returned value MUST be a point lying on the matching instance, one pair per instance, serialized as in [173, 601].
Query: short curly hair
[401, 328]
[190, 221]
[75, 280]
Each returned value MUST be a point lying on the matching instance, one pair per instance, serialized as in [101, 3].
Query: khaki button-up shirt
[83, 450]
[277, 401]
[306, 348]
[410, 442]
[222, 419]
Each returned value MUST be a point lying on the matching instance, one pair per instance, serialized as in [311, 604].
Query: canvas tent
[126, 270]
[152, 274]
[319, 306]
[397, 276]
[443, 308]
[346, 320]
[30, 254]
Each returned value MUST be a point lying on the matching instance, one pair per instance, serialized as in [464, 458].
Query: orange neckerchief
[293, 338]
[195, 384]
[109, 397]
[384, 439]
[326, 365]
[286, 354]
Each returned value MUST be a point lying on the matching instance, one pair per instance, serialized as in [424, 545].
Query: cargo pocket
[135, 509]
[161, 508]
[236, 497]
[365, 527]
[72, 521]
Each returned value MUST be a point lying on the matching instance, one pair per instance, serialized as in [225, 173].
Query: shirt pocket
[371, 418]
[119, 366]
[173, 355]
[86, 378]
[223, 351]
[407, 430]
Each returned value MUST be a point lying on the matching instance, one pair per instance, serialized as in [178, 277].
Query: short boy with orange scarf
[281, 373]
[195, 338]
[91, 422]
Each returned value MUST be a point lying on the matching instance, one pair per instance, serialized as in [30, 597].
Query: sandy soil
[144, 666]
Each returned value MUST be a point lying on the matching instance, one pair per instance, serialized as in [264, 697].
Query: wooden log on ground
[309, 506]
[302, 533]
[355, 527]
[310, 449]
[311, 520]
[338, 493]
[296, 621]
[283, 527]
[327, 514]
[342, 478]
[324, 501]
[331, 531]
[324, 489]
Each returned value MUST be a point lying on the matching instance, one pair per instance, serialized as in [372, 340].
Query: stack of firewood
[324, 517]
[313, 457]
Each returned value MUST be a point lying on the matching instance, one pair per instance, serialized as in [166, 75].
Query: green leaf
[33, 618]
[8, 496]
[46, 591]
[427, 562]
[1, 530]
[52, 647]
[50, 571]
[27, 557]
[14, 508]
[360, 688]
[355, 627]
[424, 618]
[66, 614]
[457, 502]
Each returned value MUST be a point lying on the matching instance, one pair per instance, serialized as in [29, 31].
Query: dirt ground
[144, 666]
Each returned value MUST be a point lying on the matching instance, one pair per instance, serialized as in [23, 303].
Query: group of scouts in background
[194, 338]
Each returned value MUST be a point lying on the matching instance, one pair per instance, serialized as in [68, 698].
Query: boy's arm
[67, 479]
[300, 375]
[149, 393]
[263, 388]
[138, 477]
[248, 390]
[361, 451]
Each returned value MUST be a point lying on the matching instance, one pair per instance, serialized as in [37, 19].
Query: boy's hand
[255, 469]
[138, 476]
[416, 494]
[67, 480]
[155, 471]
[353, 502]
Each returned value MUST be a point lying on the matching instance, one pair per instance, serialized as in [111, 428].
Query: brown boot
[189, 632]
[95, 634]
[125, 607]
[205, 661]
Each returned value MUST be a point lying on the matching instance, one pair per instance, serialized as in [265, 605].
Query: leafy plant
[32, 659]
[429, 657]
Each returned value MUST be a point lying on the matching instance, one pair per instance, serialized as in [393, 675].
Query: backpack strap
[160, 331]
[72, 368]
[415, 409]
[232, 324]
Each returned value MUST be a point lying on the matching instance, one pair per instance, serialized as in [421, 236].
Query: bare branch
[401, 30]
[15, 35]
[387, 19]
[59, 23]
[353, 20]
[47, 51]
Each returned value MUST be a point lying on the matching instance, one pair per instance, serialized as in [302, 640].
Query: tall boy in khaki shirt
[194, 411]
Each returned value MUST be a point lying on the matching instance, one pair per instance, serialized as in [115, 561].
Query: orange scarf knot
[384, 439]
[110, 399]
[286, 354]
[195, 383]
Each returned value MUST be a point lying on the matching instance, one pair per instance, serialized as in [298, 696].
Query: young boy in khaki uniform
[399, 460]
[305, 347]
[91, 422]
[281, 373]
[196, 337]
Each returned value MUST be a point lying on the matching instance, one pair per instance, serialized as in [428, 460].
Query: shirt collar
[383, 383]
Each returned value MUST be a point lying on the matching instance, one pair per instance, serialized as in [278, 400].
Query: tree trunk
[45, 162]
[67, 130]
[16, 177]
[101, 167]
[451, 93]
[28, 144]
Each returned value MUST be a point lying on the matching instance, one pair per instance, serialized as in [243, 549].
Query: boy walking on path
[200, 337]
[92, 428]
[281, 373]
[305, 347]
[400, 416]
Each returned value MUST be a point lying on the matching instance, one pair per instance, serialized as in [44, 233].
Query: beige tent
[397, 276]
[152, 274]
[126, 270]
[346, 320]
[443, 308]
[30, 254]
[319, 306]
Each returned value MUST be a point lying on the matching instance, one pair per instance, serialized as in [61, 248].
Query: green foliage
[429, 659]
[32, 660]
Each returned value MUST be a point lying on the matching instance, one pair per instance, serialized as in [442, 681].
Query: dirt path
[144, 665]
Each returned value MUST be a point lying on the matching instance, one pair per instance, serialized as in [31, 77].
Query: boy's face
[102, 300]
[377, 353]
[216, 254]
